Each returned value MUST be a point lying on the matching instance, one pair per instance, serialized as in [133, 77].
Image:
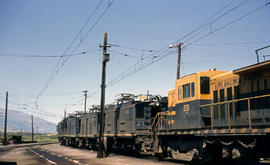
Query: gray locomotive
[128, 124]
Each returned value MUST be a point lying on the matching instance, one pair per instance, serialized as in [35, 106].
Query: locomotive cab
[185, 99]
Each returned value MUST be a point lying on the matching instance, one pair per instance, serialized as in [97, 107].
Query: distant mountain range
[18, 121]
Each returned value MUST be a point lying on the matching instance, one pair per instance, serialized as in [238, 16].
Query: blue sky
[35, 27]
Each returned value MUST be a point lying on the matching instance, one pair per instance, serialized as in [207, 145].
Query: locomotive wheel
[242, 151]
[212, 152]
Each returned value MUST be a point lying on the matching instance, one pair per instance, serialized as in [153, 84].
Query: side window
[130, 113]
[236, 92]
[192, 89]
[229, 93]
[95, 122]
[205, 85]
[186, 91]
[258, 85]
[222, 106]
[215, 94]
[268, 83]
[252, 86]
[179, 93]
[221, 93]
[86, 125]
[139, 112]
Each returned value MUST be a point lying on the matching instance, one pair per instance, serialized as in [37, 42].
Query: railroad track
[52, 157]
[4, 148]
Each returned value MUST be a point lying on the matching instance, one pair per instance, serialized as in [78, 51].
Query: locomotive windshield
[205, 85]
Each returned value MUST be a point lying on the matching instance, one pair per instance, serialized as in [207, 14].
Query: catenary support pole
[179, 46]
[85, 98]
[178, 60]
[32, 128]
[101, 152]
[5, 129]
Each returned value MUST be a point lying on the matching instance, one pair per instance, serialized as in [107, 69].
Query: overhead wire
[230, 43]
[205, 25]
[61, 62]
[157, 55]
[235, 20]
[38, 56]
[124, 54]
[163, 51]
[131, 48]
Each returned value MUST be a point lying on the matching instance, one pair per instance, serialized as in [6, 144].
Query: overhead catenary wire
[123, 54]
[19, 106]
[61, 62]
[202, 25]
[235, 20]
[37, 56]
[156, 55]
[134, 68]
[76, 37]
[207, 24]
[126, 47]
[231, 43]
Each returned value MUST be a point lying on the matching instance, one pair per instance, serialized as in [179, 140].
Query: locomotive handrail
[157, 117]
[235, 100]
[228, 107]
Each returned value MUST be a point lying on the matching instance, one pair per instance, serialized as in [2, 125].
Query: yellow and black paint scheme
[185, 99]
[220, 99]
[216, 114]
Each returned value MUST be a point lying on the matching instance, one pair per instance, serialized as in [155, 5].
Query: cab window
[205, 85]
[179, 93]
[192, 89]
[186, 91]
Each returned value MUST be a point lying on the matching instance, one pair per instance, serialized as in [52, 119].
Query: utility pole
[179, 46]
[5, 129]
[32, 128]
[179, 59]
[85, 97]
[106, 58]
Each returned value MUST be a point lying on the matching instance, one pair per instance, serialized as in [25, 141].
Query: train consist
[207, 115]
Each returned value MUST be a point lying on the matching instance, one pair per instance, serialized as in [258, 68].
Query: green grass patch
[41, 138]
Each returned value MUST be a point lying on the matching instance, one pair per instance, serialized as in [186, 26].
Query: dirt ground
[55, 154]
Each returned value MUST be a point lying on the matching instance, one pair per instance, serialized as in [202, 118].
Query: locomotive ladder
[157, 125]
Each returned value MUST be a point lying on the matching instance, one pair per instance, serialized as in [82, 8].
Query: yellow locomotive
[217, 114]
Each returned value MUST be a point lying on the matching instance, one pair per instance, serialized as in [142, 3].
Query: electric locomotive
[207, 115]
[128, 125]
